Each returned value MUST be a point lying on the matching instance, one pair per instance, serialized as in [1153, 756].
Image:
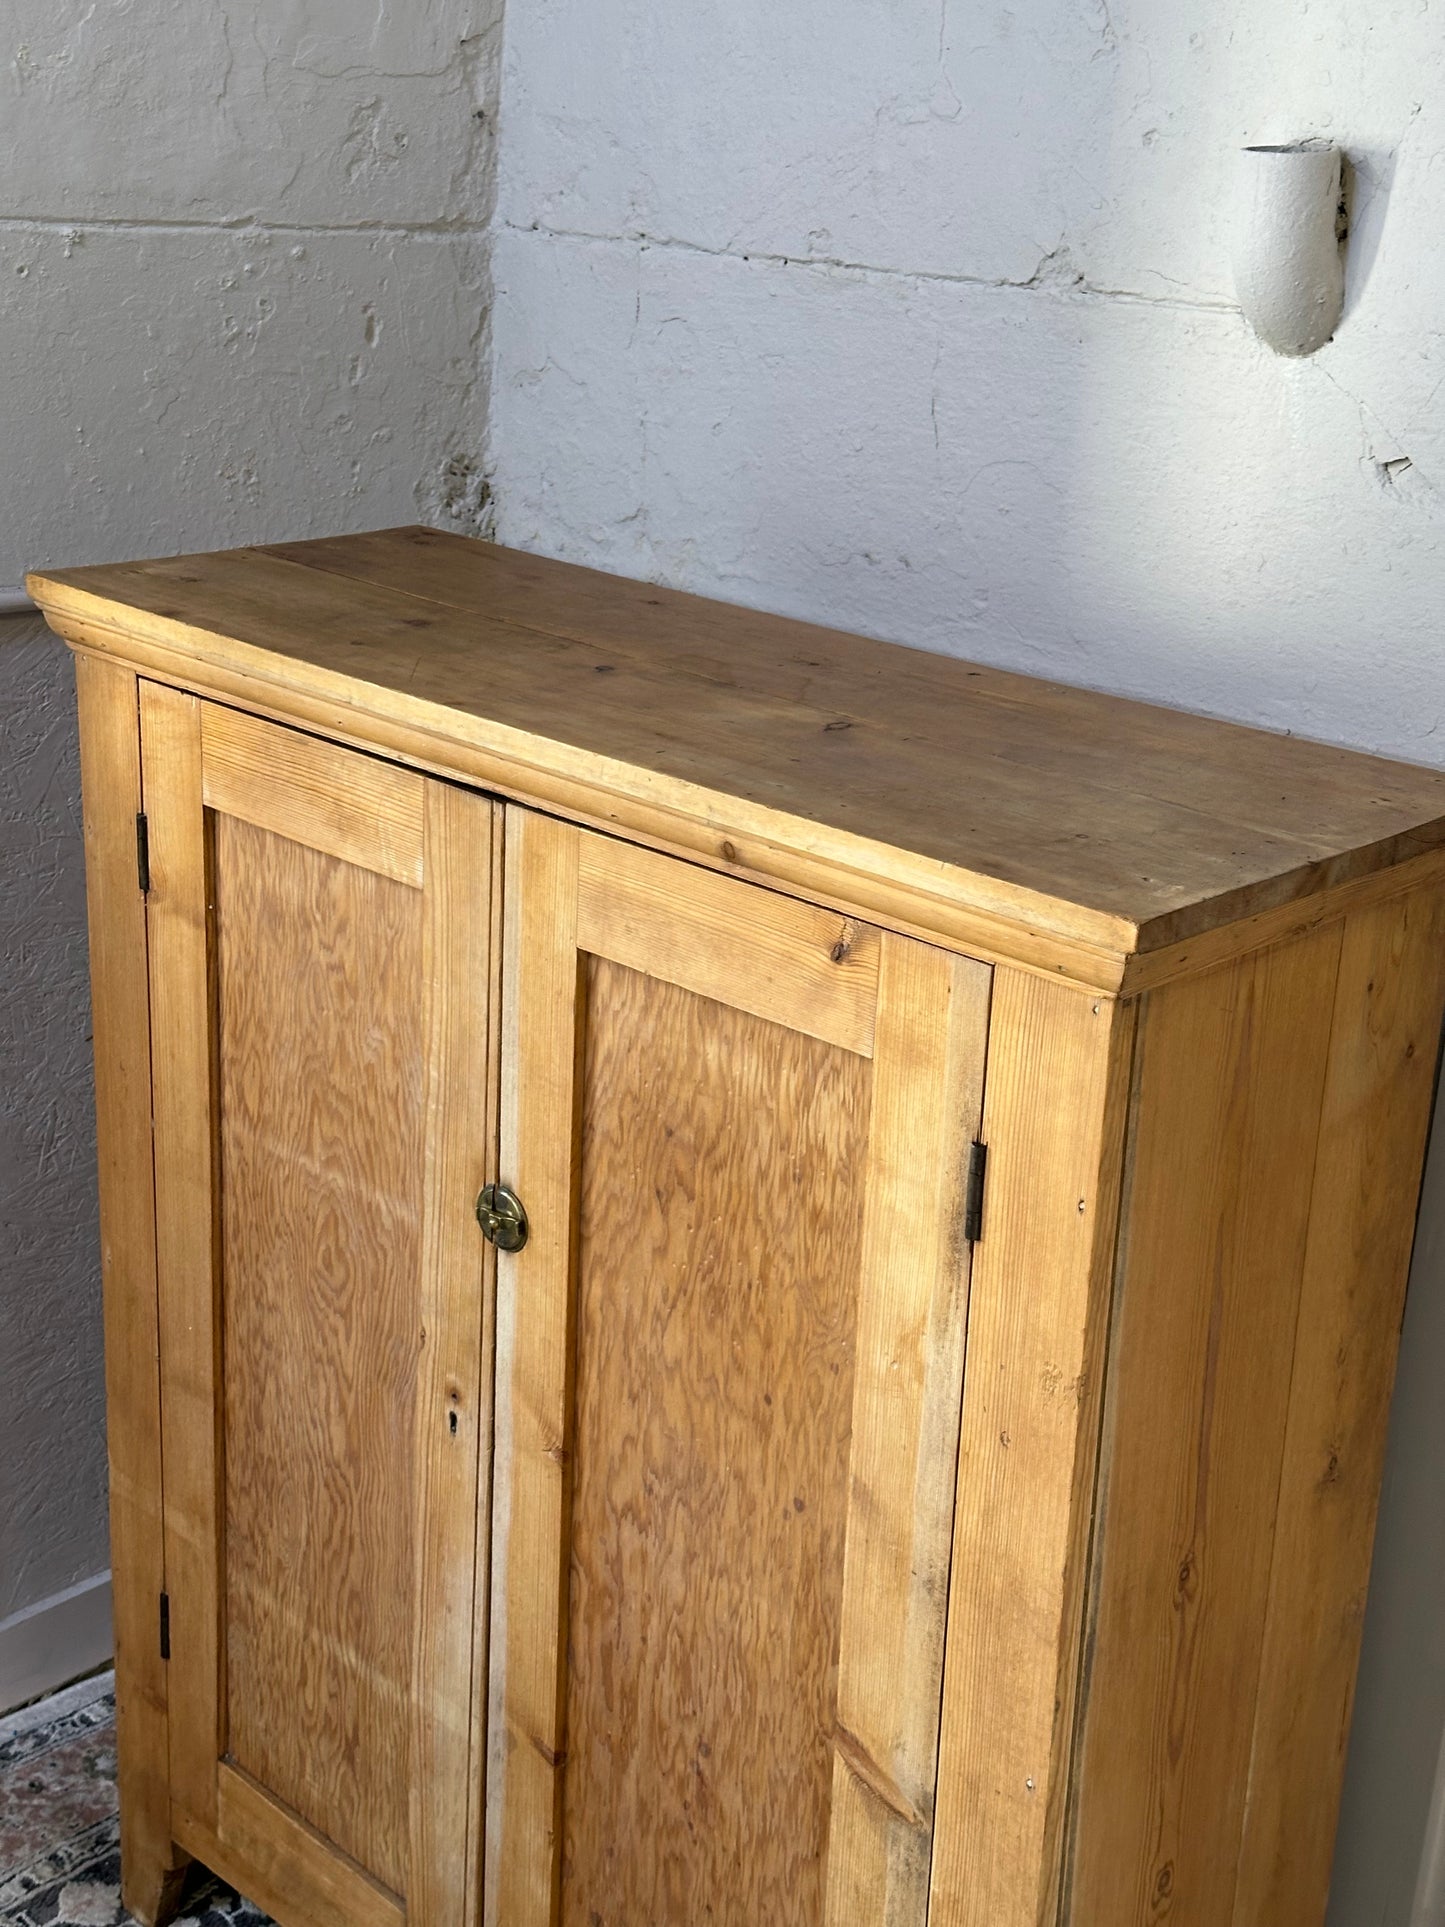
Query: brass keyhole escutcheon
[500, 1214]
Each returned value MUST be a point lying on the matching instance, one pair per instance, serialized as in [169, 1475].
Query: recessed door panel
[321, 1139]
[716, 1329]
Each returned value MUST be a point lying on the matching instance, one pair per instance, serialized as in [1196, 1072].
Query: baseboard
[55, 1641]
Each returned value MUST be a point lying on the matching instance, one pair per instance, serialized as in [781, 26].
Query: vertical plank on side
[532, 1474]
[120, 1007]
[452, 1394]
[1053, 1120]
[1376, 1114]
[186, 1267]
[1226, 1115]
[930, 1035]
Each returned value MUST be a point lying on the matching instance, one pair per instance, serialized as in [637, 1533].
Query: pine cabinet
[750, 1277]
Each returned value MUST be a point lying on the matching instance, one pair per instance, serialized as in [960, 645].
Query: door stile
[108, 699]
[187, 1229]
[542, 1039]
[1058, 1080]
[482, 1525]
[930, 1035]
[452, 1395]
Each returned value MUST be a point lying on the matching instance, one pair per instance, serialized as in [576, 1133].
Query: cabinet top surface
[1159, 824]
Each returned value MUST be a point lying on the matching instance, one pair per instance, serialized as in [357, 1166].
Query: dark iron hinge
[165, 1625]
[973, 1201]
[143, 852]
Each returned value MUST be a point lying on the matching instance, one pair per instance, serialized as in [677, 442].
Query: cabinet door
[729, 1369]
[319, 938]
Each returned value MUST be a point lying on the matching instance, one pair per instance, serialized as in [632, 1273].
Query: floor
[59, 1857]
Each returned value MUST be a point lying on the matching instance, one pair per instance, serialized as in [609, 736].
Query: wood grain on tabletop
[1174, 823]
[320, 974]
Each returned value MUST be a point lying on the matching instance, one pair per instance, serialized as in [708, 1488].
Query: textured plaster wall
[242, 270]
[917, 318]
[52, 1404]
[243, 295]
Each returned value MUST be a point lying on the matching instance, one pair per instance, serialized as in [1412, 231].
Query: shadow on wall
[1369, 174]
[52, 1409]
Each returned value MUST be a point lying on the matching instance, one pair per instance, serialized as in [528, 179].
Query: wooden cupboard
[750, 1277]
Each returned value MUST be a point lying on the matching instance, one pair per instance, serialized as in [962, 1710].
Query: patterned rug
[59, 1848]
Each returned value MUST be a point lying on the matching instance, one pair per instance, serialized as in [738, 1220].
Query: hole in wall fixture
[1289, 269]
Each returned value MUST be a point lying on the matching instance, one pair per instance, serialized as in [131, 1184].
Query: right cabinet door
[730, 1364]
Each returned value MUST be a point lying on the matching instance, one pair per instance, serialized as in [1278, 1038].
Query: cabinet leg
[150, 1888]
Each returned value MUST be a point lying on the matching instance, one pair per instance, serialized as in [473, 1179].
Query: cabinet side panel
[1229, 1084]
[1054, 1101]
[716, 1333]
[1362, 1220]
[321, 1142]
[120, 1006]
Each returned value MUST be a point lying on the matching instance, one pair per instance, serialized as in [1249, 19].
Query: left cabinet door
[320, 947]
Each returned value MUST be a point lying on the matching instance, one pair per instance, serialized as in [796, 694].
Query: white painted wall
[242, 297]
[915, 316]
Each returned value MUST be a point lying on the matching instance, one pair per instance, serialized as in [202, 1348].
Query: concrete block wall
[919, 319]
[242, 271]
[243, 296]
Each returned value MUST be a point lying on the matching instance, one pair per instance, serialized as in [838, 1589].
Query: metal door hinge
[973, 1198]
[165, 1625]
[143, 852]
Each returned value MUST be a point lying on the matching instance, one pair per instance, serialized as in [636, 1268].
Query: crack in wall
[1055, 274]
[1388, 470]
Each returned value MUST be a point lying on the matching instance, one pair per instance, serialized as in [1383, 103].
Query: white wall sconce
[1288, 266]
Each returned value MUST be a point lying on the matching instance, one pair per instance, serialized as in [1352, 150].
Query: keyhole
[452, 1421]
